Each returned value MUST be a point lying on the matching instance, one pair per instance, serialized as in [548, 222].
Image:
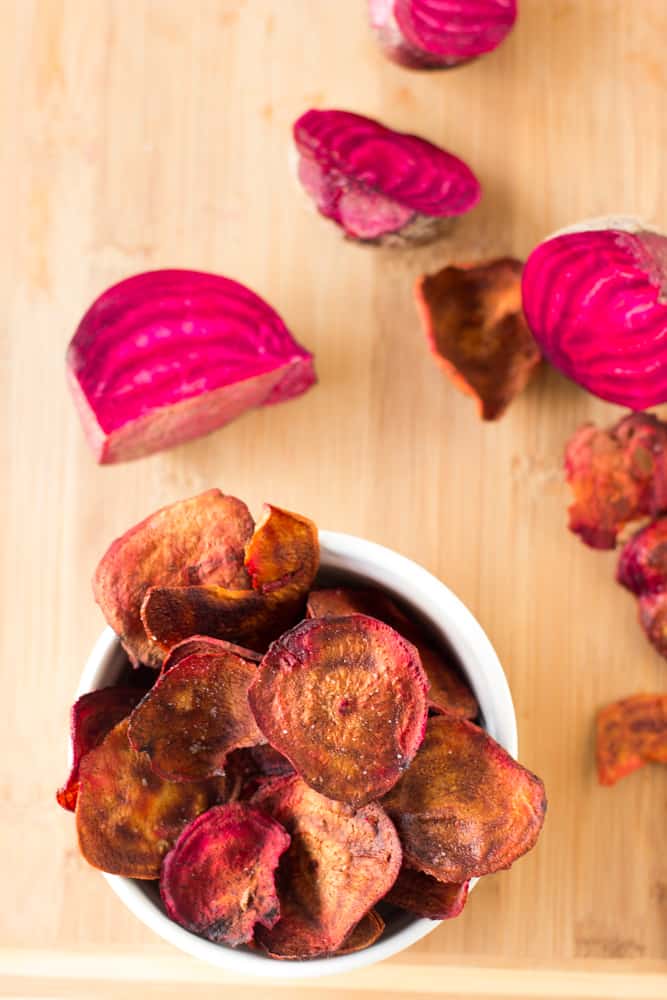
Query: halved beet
[166, 356]
[205, 644]
[376, 184]
[630, 733]
[196, 541]
[477, 331]
[366, 933]
[596, 302]
[426, 896]
[195, 715]
[344, 699]
[642, 568]
[281, 558]
[340, 862]
[218, 881]
[432, 34]
[464, 807]
[92, 716]
[447, 691]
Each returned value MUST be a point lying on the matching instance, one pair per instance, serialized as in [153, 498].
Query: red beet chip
[425, 896]
[205, 644]
[344, 699]
[630, 733]
[218, 881]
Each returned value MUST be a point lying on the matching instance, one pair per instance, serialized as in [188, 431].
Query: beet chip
[195, 714]
[197, 541]
[127, 817]
[642, 568]
[447, 692]
[630, 733]
[218, 881]
[204, 644]
[249, 768]
[465, 807]
[366, 933]
[341, 861]
[282, 559]
[344, 699]
[426, 896]
[92, 716]
[617, 476]
[477, 331]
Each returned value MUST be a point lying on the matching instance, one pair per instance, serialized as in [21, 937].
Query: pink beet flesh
[596, 302]
[167, 356]
[373, 181]
[437, 34]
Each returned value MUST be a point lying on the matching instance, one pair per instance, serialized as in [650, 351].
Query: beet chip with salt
[344, 699]
[340, 862]
[366, 933]
[218, 881]
[465, 807]
[631, 733]
[426, 896]
[195, 714]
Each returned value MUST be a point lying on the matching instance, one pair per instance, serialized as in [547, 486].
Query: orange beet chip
[447, 692]
[426, 896]
[204, 644]
[195, 714]
[218, 881]
[465, 807]
[340, 862]
[282, 559]
[197, 541]
[477, 331]
[127, 817]
[344, 699]
[630, 733]
[366, 933]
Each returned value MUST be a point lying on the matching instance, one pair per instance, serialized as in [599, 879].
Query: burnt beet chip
[218, 881]
[344, 699]
[425, 896]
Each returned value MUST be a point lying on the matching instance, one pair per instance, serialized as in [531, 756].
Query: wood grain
[145, 133]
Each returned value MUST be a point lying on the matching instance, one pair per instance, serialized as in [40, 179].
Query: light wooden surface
[144, 133]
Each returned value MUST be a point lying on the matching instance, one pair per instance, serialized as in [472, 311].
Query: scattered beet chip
[630, 733]
[282, 559]
[366, 933]
[477, 331]
[218, 881]
[92, 716]
[447, 691]
[197, 541]
[426, 896]
[127, 817]
[642, 568]
[340, 862]
[617, 476]
[344, 699]
[464, 807]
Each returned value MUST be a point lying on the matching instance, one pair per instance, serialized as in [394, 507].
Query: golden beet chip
[92, 716]
[219, 879]
[630, 733]
[366, 933]
[195, 714]
[477, 331]
[340, 862]
[447, 692]
[464, 807]
[282, 559]
[426, 896]
[197, 541]
[127, 817]
[204, 644]
[344, 699]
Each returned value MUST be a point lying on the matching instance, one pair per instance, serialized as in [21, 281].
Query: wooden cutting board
[143, 133]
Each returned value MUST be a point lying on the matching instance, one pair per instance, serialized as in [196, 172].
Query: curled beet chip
[205, 644]
[167, 356]
[447, 690]
[426, 896]
[617, 476]
[376, 184]
[196, 541]
[477, 331]
[630, 733]
[464, 807]
[247, 769]
[92, 716]
[282, 559]
[366, 933]
[218, 880]
[344, 699]
[340, 862]
[127, 817]
[195, 714]
[642, 568]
